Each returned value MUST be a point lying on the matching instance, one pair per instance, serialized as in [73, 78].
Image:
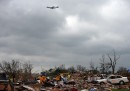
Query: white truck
[114, 79]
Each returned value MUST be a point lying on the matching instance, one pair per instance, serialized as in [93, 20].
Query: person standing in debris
[58, 78]
[69, 76]
[42, 79]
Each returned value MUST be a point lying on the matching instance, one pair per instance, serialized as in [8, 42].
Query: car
[3, 81]
[114, 79]
[117, 79]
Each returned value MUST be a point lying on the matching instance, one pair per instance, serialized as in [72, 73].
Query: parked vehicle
[114, 79]
[3, 82]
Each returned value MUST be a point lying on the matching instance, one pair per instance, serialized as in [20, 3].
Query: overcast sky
[76, 33]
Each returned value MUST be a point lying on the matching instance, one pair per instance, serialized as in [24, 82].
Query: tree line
[15, 70]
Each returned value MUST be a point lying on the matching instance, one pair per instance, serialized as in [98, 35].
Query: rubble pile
[75, 83]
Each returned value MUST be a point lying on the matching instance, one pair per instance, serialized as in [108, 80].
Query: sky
[76, 33]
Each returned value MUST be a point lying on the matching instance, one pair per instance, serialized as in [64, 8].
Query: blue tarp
[129, 70]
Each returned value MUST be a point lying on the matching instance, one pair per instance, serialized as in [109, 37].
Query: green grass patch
[120, 90]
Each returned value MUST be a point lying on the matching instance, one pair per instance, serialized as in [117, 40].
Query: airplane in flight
[52, 7]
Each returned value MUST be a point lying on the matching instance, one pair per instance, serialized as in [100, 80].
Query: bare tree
[27, 68]
[62, 66]
[10, 68]
[113, 60]
[93, 69]
[122, 71]
[92, 65]
[81, 68]
[71, 69]
[104, 66]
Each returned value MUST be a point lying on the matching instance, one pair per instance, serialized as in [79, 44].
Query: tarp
[129, 70]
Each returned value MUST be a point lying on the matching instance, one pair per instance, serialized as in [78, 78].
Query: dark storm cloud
[29, 30]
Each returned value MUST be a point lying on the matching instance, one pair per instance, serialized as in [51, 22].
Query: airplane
[52, 7]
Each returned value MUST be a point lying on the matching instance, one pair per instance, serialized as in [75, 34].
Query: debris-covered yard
[75, 83]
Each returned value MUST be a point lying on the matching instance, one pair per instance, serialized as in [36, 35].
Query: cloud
[68, 35]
